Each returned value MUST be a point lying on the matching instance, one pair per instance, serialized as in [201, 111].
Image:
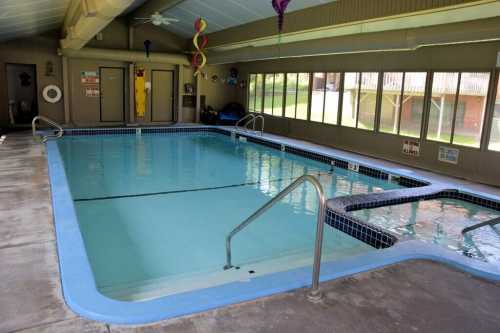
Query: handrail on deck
[58, 134]
[250, 115]
[250, 118]
[480, 225]
[314, 295]
[253, 121]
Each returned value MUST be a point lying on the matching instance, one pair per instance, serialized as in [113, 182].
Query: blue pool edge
[82, 296]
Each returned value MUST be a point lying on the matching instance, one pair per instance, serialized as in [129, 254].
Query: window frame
[254, 89]
[427, 95]
[285, 95]
[490, 112]
[487, 115]
[377, 101]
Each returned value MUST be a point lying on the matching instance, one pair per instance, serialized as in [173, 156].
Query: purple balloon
[280, 8]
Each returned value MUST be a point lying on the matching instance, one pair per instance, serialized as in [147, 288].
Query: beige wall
[38, 51]
[217, 93]
[474, 164]
[85, 111]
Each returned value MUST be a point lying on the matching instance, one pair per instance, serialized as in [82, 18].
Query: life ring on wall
[52, 94]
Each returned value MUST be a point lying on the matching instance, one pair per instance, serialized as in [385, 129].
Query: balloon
[280, 8]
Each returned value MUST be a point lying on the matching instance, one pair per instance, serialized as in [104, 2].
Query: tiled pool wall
[337, 214]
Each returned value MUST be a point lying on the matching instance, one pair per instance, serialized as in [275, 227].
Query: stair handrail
[58, 134]
[314, 294]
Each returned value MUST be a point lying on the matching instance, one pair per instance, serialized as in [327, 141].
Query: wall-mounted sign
[353, 167]
[91, 91]
[411, 147]
[89, 77]
[448, 155]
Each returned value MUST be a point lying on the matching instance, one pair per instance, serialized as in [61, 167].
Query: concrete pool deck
[417, 295]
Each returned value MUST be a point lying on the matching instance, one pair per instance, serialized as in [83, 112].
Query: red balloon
[280, 8]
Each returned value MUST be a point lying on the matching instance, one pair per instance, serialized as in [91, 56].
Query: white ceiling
[23, 18]
[223, 14]
[20, 18]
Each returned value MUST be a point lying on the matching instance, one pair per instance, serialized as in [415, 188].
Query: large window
[291, 95]
[318, 96]
[279, 83]
[360, 100]
[332, 98]
[495, 125]
[458, 104]
[350, 99]
[325, 97]
[402, 103]
[302, 96]
[251, 93]
[255, 93]
[259, 86]
[268, 93]
[297, 95]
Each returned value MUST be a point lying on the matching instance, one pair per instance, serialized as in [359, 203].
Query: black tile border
[369, 234]
[337, 212]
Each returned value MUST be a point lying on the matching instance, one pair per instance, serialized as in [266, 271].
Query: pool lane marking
[191, 190]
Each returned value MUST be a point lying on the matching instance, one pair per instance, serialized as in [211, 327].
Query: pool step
[154, 288]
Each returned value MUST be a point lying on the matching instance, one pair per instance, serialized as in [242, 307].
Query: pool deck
[410, 296]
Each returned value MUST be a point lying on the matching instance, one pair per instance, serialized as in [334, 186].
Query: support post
[66, 94]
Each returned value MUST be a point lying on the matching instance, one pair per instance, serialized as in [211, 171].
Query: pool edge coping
[84, 298]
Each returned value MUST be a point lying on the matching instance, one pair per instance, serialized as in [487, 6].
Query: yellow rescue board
[140, 93]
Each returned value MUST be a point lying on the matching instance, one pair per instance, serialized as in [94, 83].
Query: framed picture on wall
[188, 89]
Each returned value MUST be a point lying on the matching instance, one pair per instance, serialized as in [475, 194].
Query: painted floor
[412, 296]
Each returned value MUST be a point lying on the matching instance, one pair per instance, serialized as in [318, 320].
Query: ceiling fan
[157, 19]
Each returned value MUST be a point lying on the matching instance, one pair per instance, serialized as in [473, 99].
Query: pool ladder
[314, 294]
[251, 118]
[44, 138]
[480, 225]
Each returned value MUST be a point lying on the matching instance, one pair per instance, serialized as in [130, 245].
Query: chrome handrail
[253, 121]
[59, 133]
[262, 123]
[480, 225]
[314, 294]
[250, 115]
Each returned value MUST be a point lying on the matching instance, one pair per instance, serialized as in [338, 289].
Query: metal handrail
[314, 294]
[59, 133]
[253, 121]
[480, 225]
[250, 115]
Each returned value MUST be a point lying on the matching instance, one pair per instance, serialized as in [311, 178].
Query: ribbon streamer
[199, 58]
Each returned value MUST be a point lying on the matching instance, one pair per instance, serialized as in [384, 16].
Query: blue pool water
[441, 221]
[154, 210]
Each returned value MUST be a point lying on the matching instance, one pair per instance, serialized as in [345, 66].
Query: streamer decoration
[280, 8]
[200, 41]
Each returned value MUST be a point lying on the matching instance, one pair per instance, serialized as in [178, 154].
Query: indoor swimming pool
[441, 221]
[154, 210]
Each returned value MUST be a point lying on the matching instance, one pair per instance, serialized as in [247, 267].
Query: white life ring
[49, 91]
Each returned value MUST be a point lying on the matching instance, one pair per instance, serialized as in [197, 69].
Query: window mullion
[341, 99]
[452, 138]
[296, 95]
[324, 98]
[359, 98]
[490, 110]
[400, 113]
